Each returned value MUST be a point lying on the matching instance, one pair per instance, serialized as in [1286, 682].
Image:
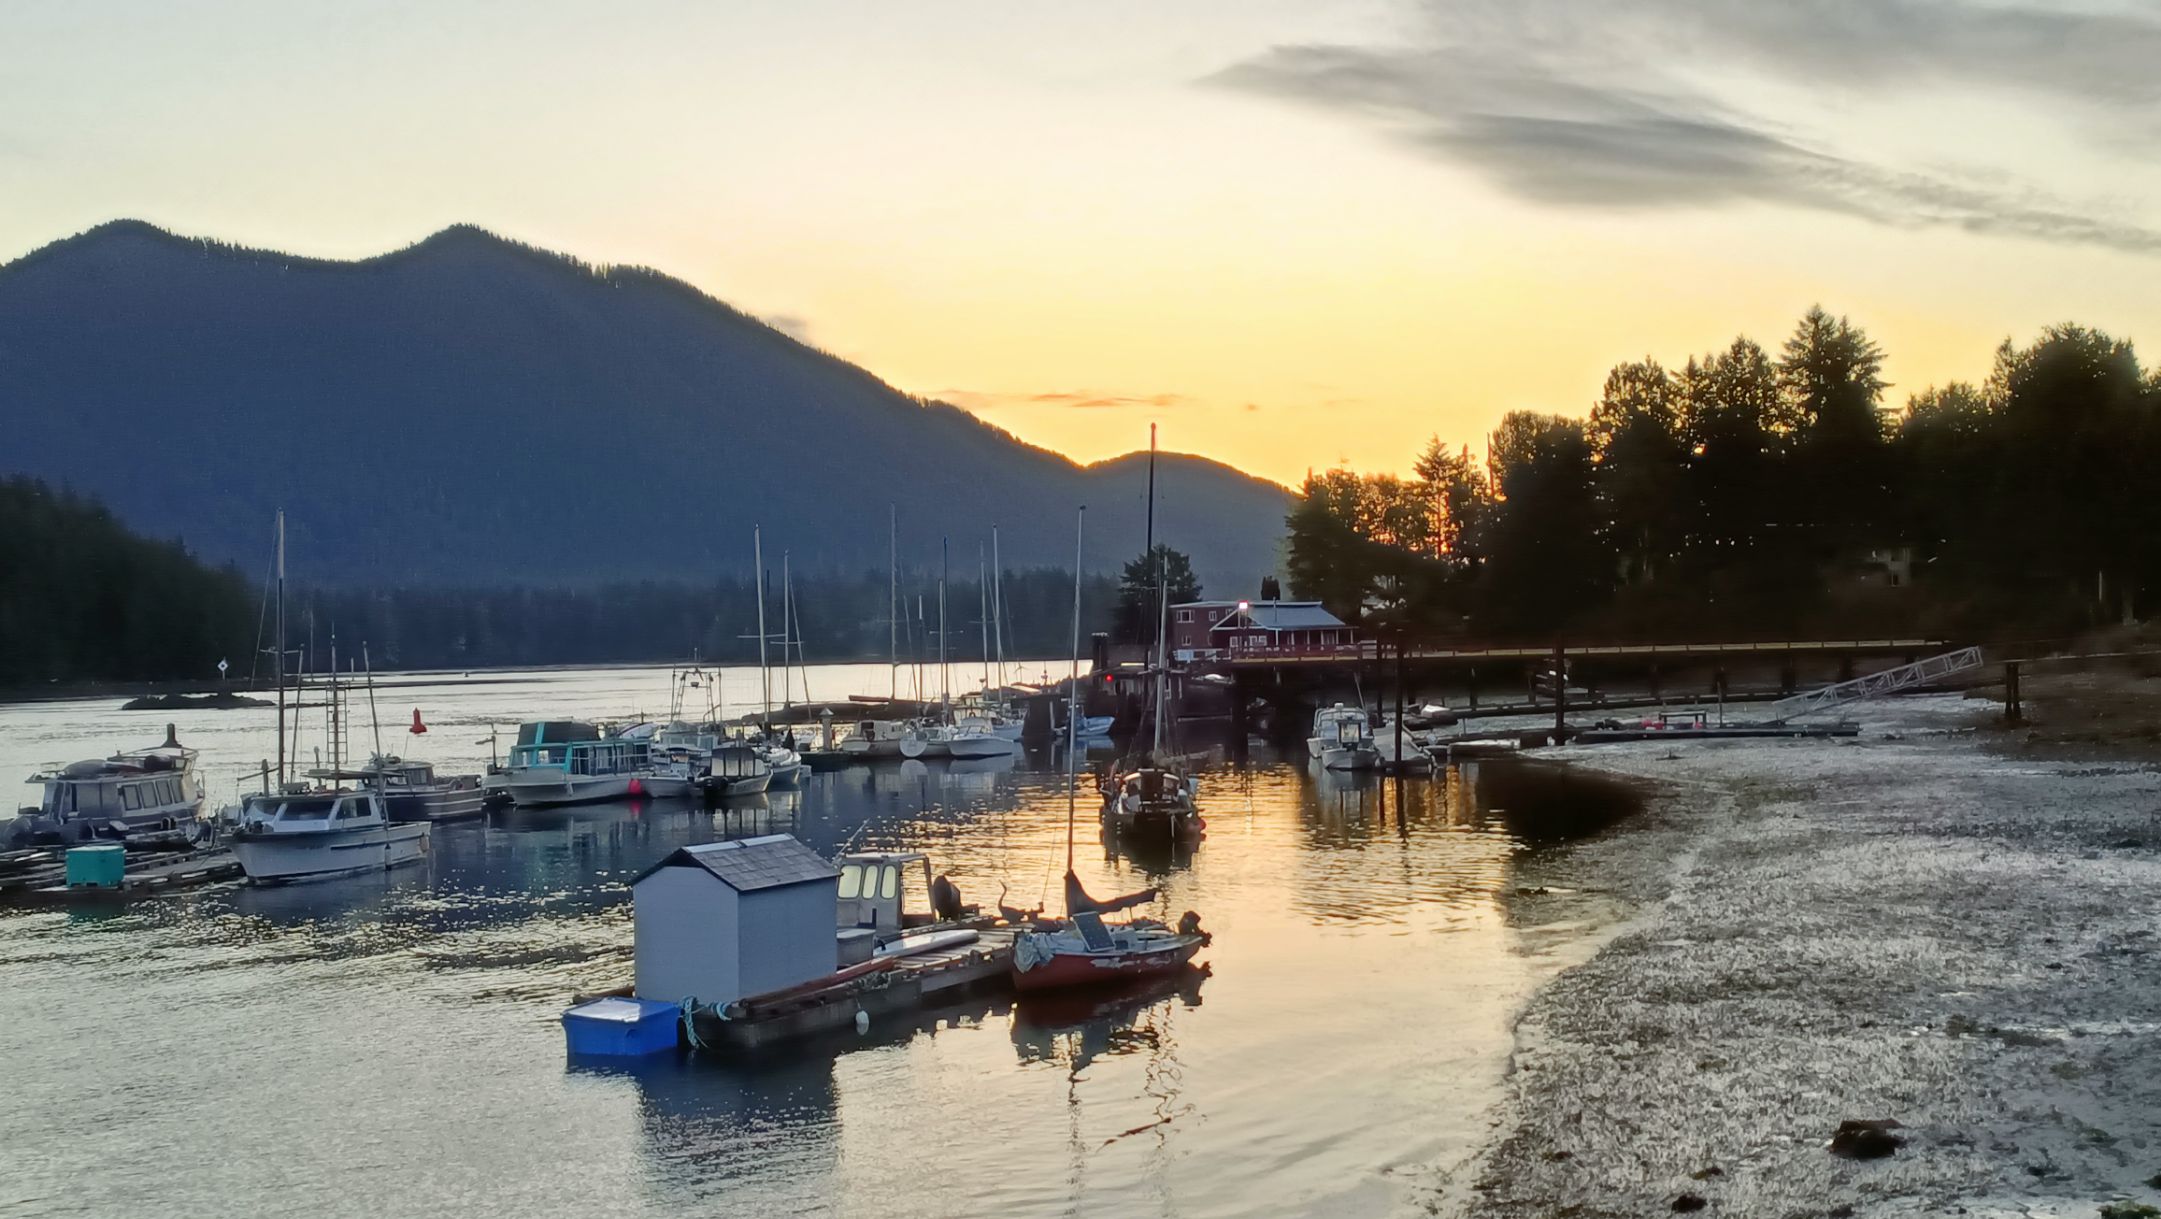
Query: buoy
[418, 728]
[637, 787]
[862, 1021]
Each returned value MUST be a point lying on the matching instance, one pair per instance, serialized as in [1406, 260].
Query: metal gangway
[1888, 681]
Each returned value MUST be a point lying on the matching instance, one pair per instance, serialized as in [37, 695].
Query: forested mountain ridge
[470, 410]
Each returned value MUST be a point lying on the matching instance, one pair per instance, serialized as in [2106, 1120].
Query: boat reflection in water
[1073, 1029]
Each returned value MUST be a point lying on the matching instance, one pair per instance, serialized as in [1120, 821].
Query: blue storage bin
[621, 1028]
[102, 866]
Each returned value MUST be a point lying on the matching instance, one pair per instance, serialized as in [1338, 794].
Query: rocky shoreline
[1912, 926]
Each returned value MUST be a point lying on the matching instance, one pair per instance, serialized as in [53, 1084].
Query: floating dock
[42, 875]
[909, 983]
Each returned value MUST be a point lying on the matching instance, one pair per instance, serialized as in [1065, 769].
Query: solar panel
[1093, 933]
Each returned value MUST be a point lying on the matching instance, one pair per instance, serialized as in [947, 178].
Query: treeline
[840, 618]
[84, 599]
[1752, 493]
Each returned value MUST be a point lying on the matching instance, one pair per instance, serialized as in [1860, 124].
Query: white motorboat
[1343, 739]
[566, 762]
[148, 795]
[981, 737]
[737, 770]
[785, 763]
[314, 833]
[927, 741]
[875, 740]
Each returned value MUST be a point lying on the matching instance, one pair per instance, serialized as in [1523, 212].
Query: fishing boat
[1343, 739]
[1089, 953]
[570, 762]
[316, 833]
[875, 740]
[412, 791]
[142, 796]
[295, 830]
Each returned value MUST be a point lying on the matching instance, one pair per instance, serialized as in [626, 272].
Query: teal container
[97, 867]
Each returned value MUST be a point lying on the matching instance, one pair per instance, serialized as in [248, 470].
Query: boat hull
[1093, 970]
[1350, 757]
[270, 859]
[871, 750]
[970, 747]
[554, 789]
[439, 804]
[786, 778]
[750, 785]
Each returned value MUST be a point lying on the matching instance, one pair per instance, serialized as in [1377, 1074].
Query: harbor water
[389, 1044]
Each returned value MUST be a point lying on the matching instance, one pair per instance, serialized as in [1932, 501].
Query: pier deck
[46, 879]
[911, 983]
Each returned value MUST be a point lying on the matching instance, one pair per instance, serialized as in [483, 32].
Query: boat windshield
[317, 809]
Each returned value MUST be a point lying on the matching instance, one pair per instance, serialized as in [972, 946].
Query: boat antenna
[279, 646]
[1073, 684]
[369, 665]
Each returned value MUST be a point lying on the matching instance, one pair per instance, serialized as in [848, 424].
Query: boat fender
[862, 1022]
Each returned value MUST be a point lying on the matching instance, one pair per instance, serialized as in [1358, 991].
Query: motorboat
[143, 796]
[569, 762]
[927, 740]
[309, 833]
[1343, 739]
[875, 740]
[976, 737]
[736, 769]
[411, 790]
[785, 763]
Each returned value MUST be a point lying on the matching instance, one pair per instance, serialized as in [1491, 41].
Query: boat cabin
[575, 748]
[875, 887]
[1341, 725]
[314, 811]
[144, 790]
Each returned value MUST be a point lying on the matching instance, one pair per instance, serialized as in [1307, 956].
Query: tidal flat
[1931, 924]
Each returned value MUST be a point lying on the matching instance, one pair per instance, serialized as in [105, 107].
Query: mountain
[470, 410]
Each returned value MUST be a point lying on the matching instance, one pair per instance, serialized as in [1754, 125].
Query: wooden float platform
[911, 983]
[31, 880]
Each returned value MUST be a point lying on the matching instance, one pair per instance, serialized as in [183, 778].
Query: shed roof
[750, 864]
[1287, 616]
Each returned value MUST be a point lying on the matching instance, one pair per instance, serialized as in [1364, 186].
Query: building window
[1185, 615]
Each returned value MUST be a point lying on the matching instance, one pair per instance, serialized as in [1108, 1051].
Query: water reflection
[714, 1132]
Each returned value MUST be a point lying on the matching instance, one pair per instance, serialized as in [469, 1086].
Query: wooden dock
[909, 985]
[42, 875]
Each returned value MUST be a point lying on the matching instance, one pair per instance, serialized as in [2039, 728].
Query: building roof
[1288, 616]
[750, 864]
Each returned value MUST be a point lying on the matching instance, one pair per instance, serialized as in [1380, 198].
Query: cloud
[1094, 401]
[793, 325]
[1571, 104]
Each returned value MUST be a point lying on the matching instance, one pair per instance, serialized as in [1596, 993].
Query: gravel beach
[1940, 923]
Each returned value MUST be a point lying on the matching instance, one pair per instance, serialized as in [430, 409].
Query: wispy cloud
[793, 325]
[1579, 104]
[1086, 400]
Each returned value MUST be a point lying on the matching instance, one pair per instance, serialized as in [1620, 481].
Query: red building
[1215, 630]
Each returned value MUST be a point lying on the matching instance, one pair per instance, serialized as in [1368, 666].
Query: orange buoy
[418, 727]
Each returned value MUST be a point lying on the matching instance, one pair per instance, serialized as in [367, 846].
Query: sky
[1295, 235]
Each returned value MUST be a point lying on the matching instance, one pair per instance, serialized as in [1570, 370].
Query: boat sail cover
[1077, 899]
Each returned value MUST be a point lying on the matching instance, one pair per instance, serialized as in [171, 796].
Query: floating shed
[724, 920]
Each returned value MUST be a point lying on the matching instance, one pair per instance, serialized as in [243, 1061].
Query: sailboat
[1091, 953]
[984, 733]
[1152, 797]
[295, 831]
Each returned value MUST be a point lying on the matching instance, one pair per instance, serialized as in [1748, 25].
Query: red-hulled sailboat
[1091, 953]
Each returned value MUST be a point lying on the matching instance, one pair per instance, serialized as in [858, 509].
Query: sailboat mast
[1073, 685]
[997, 604]
[765, 685]
[1148, 550]
[945, 679]
[1163, 597]
[892, 601]
[377, 720]
[787, 606]
[279, 647]
[982, 592]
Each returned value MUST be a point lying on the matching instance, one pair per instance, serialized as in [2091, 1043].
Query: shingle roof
[750, 864]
